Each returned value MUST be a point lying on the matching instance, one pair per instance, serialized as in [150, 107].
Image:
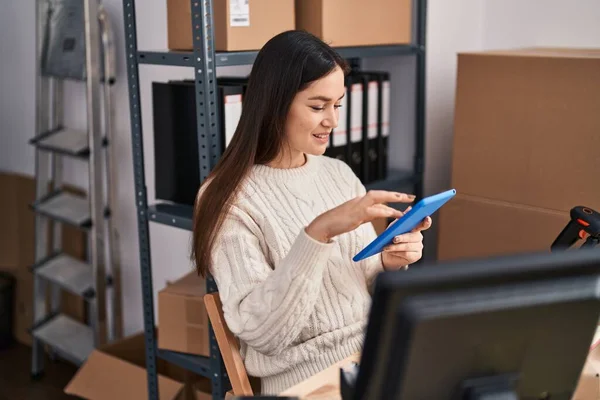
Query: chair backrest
[228, 346]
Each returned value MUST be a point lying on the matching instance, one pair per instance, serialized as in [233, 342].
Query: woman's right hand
[350, 215]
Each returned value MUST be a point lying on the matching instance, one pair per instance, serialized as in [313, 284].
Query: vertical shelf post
[420, 106]
[209, 145]
[141, 199]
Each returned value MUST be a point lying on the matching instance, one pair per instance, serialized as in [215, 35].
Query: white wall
[510, 23]
[453, 26]
[17, 107]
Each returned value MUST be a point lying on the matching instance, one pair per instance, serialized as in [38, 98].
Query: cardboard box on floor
[525, 149]
[17, 250]
[118, 371]
[237, 26]
[356, 22]
[182, 317]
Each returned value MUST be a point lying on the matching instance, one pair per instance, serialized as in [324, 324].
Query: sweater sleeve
[264, 305]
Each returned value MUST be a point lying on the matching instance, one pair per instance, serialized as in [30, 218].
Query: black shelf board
[228, 58]
[197, 364]
[177, 215]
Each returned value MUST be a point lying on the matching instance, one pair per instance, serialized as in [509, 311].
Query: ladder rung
[66, 141]
[71, 339]
[69, 273]
[66, 207]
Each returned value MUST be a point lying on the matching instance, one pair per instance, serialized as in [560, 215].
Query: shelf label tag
[239, 13]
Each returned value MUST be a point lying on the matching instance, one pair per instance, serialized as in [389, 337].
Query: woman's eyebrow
[324, 98]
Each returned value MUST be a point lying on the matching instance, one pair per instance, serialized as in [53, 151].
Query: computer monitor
[515, 325]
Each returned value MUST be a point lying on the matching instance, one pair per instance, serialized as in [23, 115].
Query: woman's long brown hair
[285, 65]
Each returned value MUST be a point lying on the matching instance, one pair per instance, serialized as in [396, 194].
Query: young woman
[277, 223]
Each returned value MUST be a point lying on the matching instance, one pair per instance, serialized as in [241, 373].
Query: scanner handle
[584, 221]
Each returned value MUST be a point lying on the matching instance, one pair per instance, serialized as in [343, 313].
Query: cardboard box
[238, 24]
[182, 318]
[356, 22]
[17, 227]
[526, 127]
[118, 371]
[474, 227]
[17, 250]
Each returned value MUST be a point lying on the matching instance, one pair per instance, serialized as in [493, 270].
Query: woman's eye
[317, 108]
[338, 106]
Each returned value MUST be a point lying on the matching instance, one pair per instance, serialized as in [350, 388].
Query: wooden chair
[228, 346]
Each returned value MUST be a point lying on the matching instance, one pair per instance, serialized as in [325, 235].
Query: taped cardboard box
[526, 127]
[238, 24]
[475, 227]
[356, 22]
[118, 371]
[182, 317]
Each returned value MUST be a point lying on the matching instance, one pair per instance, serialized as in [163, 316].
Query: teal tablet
[424, 208]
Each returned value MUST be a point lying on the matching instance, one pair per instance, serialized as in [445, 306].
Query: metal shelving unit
[205, 60]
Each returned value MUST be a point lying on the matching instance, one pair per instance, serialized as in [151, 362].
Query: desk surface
[326, 384]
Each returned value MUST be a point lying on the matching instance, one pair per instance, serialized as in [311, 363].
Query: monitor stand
[495, 387]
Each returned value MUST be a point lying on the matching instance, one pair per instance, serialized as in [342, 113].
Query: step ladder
[75, 43]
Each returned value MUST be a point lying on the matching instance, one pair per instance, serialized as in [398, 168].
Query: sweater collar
[308, 169]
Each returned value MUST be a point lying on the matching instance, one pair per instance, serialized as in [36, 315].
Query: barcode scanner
[584, 223]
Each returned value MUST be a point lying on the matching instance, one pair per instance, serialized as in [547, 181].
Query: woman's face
[313, 115]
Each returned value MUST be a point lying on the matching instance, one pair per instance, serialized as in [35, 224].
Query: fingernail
[396, 239]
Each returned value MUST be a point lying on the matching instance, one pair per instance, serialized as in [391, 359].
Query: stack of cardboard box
[526, 149]
[241, 25]
[182, 318]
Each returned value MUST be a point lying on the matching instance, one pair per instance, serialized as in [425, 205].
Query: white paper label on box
[239, 13]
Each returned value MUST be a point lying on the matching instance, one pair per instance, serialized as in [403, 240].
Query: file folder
[231, 92]
[176, 172]
[385, 125]
[378, 124]
[339, 146]
[373, 124]
[357, 126]
[176, 157]
[230, 111]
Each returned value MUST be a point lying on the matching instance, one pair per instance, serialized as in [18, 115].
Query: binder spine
[357, 126]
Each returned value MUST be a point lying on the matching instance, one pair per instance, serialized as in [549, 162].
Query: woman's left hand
[406, 248]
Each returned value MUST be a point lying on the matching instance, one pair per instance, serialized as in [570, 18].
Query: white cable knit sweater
[297, 305]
